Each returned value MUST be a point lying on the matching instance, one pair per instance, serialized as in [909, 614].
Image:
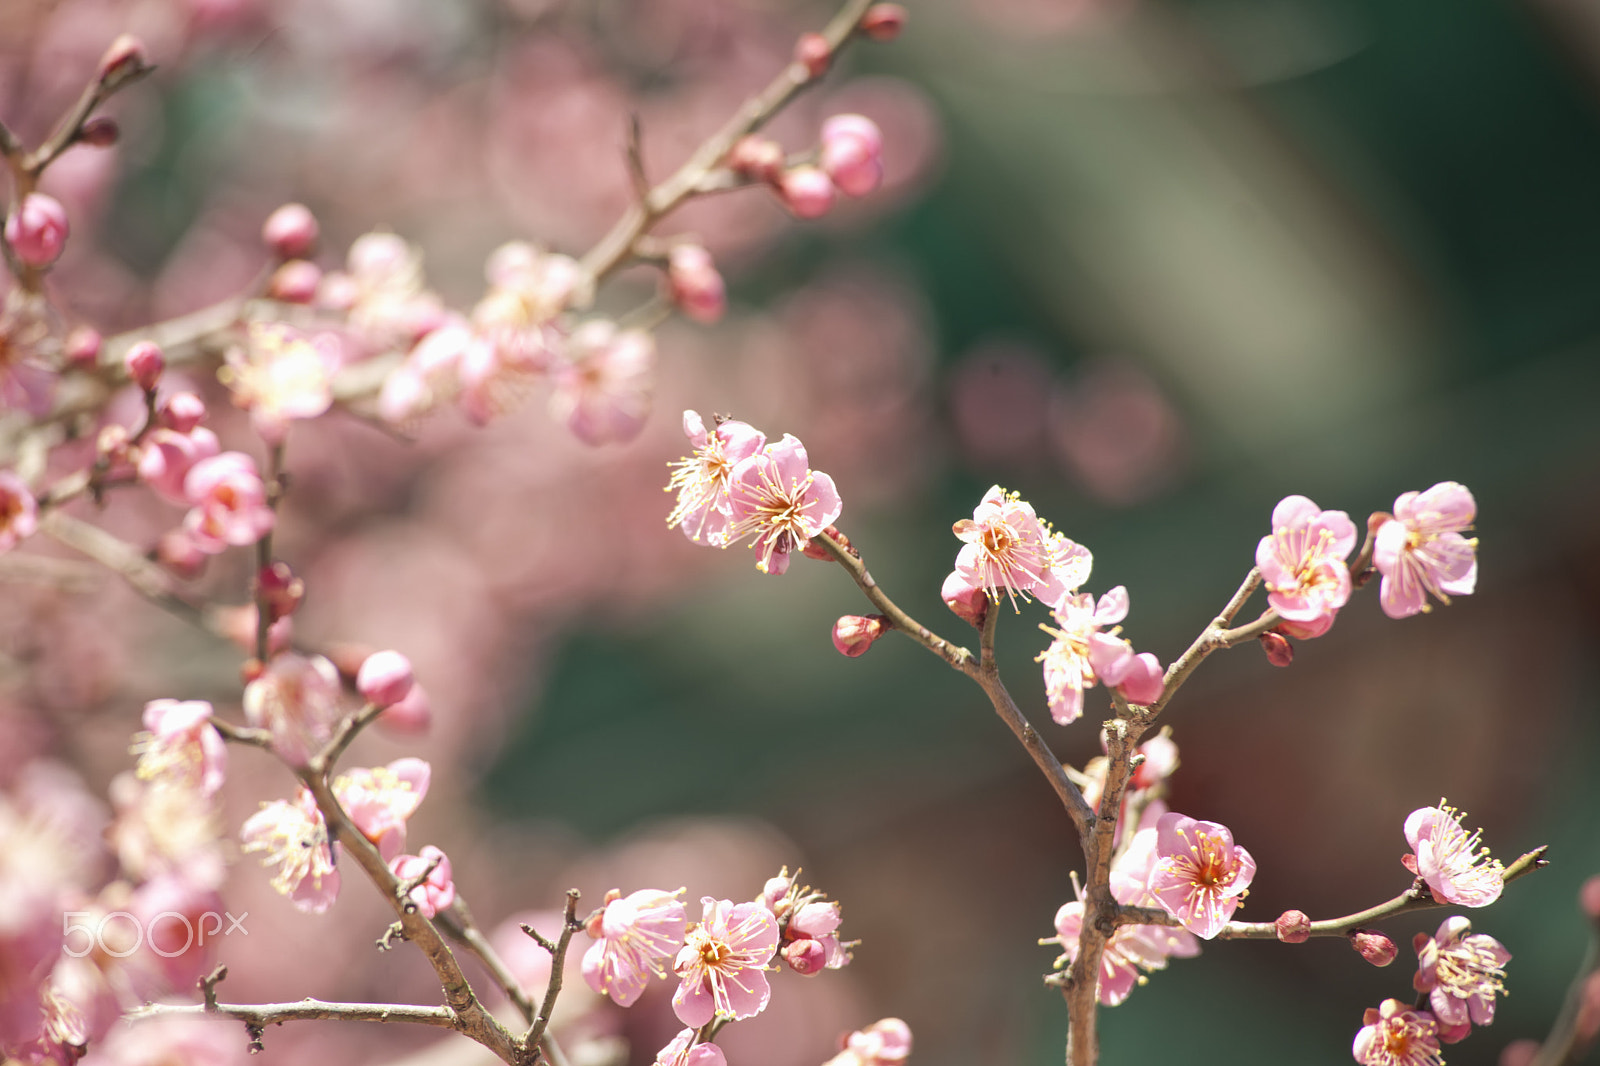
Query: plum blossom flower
[1004, 547]
[430, 373]
[603, 385]
[886, 1042]
[1395, 1035]
[1302, 563]
[382, 293]
[296, 699]
[380, 799]
[1200, 875]
[19, 514]
[160, 831]
[230, 503]
[775, 495]
[167, 455]
[682, 1050]
[1448, 858]
[702, 479]
[1421, 550]
[1081, 655]
[180, 746]
[280, 375]
[723, 961]
[632, 936]
[295, 839]
[437, 890]
[1461, 971]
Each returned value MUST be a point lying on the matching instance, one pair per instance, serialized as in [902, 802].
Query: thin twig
[147, 579]
[558, 959]
[265, 1014]
[953, 654]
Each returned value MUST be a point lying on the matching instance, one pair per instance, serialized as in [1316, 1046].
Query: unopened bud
[295, 281]
[82, 346]
[1294, 927]
[1279, 651]
[776, 888]
[37, 229]
[813, 550]
[385, 678]
[853, 634]
[696, 286]
[1373, 946]
[757, 157]
[806, 191]
[290, 231]
[852, 153]
[279, 589]
[180, 555]
[812, 52]
[182, 412]
[99, 132]
[805, 956]
[968, 603]
[883, 22]
[145, 363]
[411, 715]
[125, 57]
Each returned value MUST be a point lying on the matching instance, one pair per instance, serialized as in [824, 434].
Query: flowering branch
[458, 924]
[851, 560]
[1214, 636]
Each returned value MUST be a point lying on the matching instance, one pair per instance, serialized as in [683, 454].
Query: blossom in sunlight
[295, 840]
[229, 503]
[1200, 875]
[180, 746]
[296, 699]
[1081, 655]
[167, 455]
[1449, 859]
[437, 890]
[1004, 549]
[382, 293]
[1421, 550]
[280, 374]
[723, 961]
[1302, 563]
[603, 382]
[19, 514]
[379, 800]
[1461, 971]
[886, 1042]
[701, 479]
[682, 1050]
[777, 497]
[634, 935]
[1395, 1035]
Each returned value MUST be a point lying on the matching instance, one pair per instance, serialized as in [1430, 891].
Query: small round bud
[179, 554]
[145, 364]
[1373, 946]
[290, 231]
[852, 153]
[411, 716]
[805, 956]
[37, 229]
[1294, 927]
[883, 22]
[695, 285]
[99, 132]
[1279, 651]
[757, 157]
[182, 412]
[279, 589]
[125, 56]
[295, 281]
[82, 346]
[806, 191]
[385, 678]
[853, 634]
[967, 602]
[812, 52]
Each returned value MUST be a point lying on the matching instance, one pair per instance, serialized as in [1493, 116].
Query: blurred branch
[147, 579]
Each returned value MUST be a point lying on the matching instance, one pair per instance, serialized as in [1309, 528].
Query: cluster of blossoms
[849, 160]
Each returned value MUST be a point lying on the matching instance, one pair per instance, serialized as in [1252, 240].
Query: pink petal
[823, 505]
[1112, 608]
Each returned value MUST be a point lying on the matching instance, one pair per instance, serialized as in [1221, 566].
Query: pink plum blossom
[437, 890]
[180, 746]
[1421, 550]
[969, 603]
[296, 699]
[723, 961]
[1200, 875]
[167, 455]
[1003, 548]
[1081, 655]
[634, 934]
[230, 503]
[702, 479]
[1302, 563]
[603, 385]
[682, 1050]
[382, 294]
[1395, 1035]
[886, 1042]
[19, 514]
[379, 800]
[160, 830]
[1461, 971]
[1448, 858]
[777, 497]
[295, 839]
[429, 375]
[817, 923]
[281, 375]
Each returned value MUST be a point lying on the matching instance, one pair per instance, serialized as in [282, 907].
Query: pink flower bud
[757, 157]
[695, 285]
[182, 412]
[281, 590]
[1453, 1034]
[290, 231]
[816, 919]
[82, 346]
[1279, 651]
[805, 956]
[1373, 946]
[1143, 683]
[852, 153]
[180, 555]
[812, 52]
[37, 229]
[776, 888]
[853, 634]
[1294, 927]
[411, 716]
[295, 281]
[385, 678]
[883, 22]
[966, 601]
[99, 132]
[806, 191]
[145, 363]
[125, 56]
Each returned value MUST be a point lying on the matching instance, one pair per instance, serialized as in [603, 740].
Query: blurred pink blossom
[230, 503]
[604, 383]
[1421, 550]
[296, 699]
[19, 514]
[37, 229]
[280, 375]
[381, 799]
[180, 746]
[167, 455]
[295, 839]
